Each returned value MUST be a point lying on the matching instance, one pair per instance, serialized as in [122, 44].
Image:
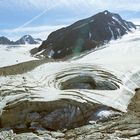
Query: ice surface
[118, 63]
[14, 54]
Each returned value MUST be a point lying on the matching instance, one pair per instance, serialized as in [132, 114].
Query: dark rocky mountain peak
[26, 39]
[4, 40]
[84, 35]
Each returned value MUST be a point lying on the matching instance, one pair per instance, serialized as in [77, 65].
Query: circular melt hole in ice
[87, 82]
[79, 82]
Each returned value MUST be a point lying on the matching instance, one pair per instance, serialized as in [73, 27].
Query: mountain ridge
[26, 39]
[84, 35]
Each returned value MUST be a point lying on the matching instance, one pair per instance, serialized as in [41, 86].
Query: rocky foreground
[126, 126]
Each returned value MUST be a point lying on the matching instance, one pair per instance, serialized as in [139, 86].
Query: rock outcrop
[84, 35]
[125, 127]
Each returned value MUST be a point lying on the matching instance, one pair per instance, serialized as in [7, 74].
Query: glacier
[116, 67]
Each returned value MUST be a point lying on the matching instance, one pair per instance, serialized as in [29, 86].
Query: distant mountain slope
[27, 39]
[4, 40]
[84, 35]
[38, 40]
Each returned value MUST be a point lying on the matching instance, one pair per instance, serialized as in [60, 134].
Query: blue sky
[40, 17]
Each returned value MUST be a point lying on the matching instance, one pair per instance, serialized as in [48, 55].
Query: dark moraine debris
[54, 115]
[84, 35]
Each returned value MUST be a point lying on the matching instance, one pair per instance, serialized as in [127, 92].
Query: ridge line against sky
[18, 17]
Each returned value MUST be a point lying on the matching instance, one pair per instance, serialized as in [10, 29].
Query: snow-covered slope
[106, 77]
[121, 55]
[10, 55]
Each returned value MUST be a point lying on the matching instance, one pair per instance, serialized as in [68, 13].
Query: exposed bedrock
[55, 115]
[125, 127]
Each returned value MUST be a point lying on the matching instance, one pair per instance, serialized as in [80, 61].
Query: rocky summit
[4, 40]
[84, 35]
[26, 39]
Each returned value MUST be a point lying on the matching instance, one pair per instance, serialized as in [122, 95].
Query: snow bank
[10, 55]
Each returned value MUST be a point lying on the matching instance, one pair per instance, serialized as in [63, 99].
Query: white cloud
[36, 31]
[30, 4]
[89, 7]
[136, 21]
[36, 28]
[93, 5]
[37, 4]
